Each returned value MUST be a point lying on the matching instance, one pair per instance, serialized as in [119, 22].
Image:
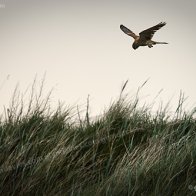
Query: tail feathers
[161, 43]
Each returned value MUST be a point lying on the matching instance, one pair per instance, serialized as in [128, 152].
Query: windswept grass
[125, 151]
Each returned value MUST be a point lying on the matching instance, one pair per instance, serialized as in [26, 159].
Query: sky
[80, 48]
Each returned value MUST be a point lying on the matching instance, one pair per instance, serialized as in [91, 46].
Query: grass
[125, 151]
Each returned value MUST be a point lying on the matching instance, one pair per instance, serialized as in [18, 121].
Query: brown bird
[145, 37]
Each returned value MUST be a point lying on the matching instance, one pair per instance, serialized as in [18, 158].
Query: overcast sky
[80, 47]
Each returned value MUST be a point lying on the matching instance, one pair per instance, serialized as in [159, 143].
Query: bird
[145, 37]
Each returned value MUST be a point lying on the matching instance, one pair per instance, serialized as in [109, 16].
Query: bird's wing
[128, 32]
[148, 33]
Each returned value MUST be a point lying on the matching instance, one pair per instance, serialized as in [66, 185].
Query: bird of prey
[145, 37]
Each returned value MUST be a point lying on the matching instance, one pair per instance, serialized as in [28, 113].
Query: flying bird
[145, 37]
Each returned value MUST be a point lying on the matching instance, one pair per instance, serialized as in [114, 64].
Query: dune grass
[124, 151]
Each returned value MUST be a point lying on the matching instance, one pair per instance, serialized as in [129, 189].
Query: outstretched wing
[148, 33]
[128, 32]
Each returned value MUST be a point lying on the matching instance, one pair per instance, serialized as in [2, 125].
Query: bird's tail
[161, 43]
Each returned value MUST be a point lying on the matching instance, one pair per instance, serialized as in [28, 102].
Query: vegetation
[125, 151]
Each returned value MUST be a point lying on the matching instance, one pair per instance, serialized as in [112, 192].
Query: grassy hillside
[125, 151]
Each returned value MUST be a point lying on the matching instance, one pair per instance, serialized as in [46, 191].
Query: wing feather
[148, 33]
[128, 31]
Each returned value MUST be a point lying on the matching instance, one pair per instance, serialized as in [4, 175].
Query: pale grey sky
[83, 51]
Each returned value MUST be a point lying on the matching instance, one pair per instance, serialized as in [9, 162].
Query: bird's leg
[150, 43]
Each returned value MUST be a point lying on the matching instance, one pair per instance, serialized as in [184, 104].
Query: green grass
[124, 151]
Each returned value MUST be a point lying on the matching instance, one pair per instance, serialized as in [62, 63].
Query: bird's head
[134, 46]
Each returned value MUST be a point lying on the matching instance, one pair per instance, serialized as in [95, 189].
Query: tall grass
[125, 151]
